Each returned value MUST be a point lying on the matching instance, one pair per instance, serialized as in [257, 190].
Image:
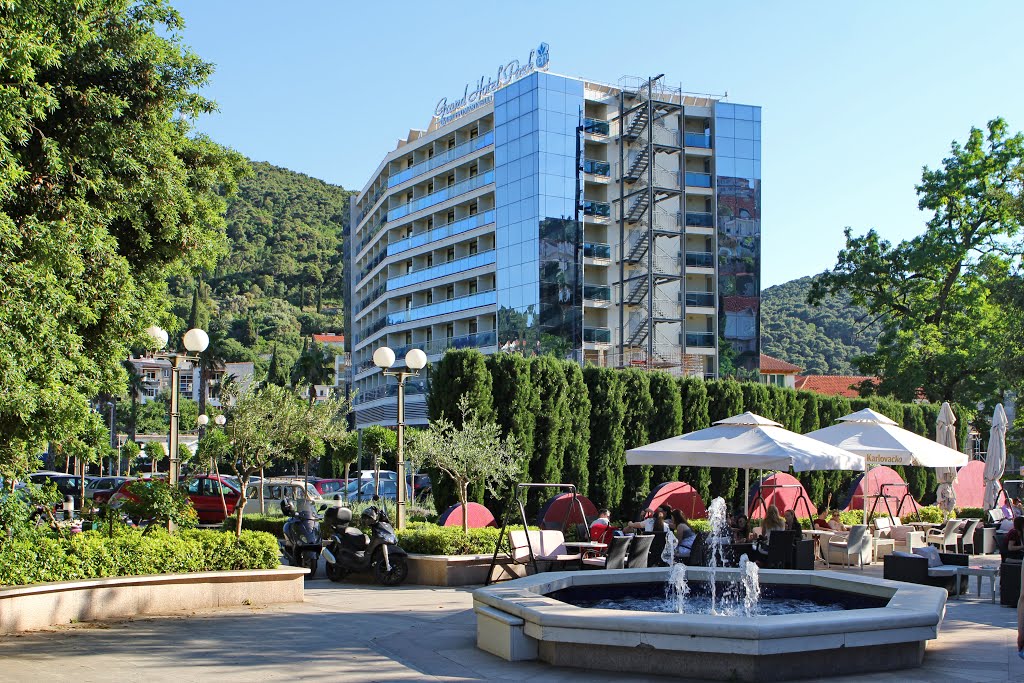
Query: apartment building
[155, 374]
[538, 213]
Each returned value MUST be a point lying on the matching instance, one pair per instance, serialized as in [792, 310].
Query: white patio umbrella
[995, 459]
[747, 442]
[945, 434]
[883, 442]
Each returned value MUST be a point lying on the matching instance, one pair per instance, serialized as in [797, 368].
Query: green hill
[822, 339]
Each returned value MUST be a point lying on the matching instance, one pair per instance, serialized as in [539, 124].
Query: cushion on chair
[930, 554]
[900, 553]
[942, 570]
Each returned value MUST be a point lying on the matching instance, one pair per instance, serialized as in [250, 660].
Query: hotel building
[614, 224]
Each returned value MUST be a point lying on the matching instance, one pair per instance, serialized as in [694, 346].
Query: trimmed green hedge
[430, 539]
[93, 555]
[271, 524]
[970, 513]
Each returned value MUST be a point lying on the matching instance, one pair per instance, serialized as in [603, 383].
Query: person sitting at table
[821, 523]
[1018, 510]
[792, 523]
[601, 529]
[772, 522]
[741, 530]
[1015, 539]
[653, 524]
[684, 534]
[836, 522]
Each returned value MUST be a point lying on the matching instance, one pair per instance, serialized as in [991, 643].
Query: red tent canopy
[678, 494]
[970, 485]
[478, 516]
[875, 479]
[553, 513]
[784, 498]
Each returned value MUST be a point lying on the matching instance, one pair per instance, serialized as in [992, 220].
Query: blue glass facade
[738, 169]
[536, 232]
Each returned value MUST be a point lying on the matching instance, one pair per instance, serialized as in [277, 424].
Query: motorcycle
[302, 537]
[350, 550]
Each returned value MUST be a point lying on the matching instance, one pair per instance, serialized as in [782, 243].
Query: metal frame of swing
[887, 496]
[759, 498]
[516, 496]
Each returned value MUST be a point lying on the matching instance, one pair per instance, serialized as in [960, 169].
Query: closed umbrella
[995, 459]
[945, 434]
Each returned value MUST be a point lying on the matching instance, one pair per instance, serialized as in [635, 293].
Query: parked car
[326, 487]
[204, 492]
[276, 490]
[67, 484]
[103, 485]
[388, 490]
[421, 484]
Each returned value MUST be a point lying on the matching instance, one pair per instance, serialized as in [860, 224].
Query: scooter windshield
[308, 530]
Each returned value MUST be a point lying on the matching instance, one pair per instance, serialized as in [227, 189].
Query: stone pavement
[363, 632]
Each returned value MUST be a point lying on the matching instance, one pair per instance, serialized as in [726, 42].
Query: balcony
[462, 303]
[371, 231]
[441, 270]
[441, 159]
[700, 300]
[698, 140]
[447, 193]
[478, 340]
[441, 232]
[597, 292]
[596, 127]
[597, 250]
[369, 298]
[700, 219]
[705, 340]
[596, 167]
[373, 263]
[694, 179]
[700, 259]
[412, 387]
[600, 209]
[597, 335]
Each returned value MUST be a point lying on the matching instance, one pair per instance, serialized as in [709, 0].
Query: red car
[203, 491]
[328, 486]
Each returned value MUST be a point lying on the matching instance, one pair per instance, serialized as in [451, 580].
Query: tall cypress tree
[516, 403]
[607, 452]
[756, 400]
[725, 399]
[552, 420]
[693, 392]
[575, 466]
[814, 481]
[666, 420]
[638, 409]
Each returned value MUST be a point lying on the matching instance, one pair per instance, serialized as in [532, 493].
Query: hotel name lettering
[483, 90]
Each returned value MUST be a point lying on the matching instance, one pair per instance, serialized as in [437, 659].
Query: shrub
[430, 539]
[271, 524]
[971, 513]
[132, 553]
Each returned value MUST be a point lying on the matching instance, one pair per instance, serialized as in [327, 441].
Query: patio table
[991, 573]
[582, 546]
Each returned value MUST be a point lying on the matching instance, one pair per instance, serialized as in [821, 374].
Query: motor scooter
[351, 550]
[302, 537]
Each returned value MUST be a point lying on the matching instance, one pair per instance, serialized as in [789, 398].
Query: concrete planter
[50, 604]
[458, 570]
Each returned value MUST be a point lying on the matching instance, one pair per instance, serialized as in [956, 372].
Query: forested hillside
[821, 339]
[283, 276]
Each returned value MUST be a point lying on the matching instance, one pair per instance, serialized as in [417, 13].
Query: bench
[547, 545]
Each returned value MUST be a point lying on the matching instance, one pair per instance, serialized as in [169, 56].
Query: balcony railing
[596, 126]
[477, 340]
[601, 209]
[441, 232]
[441, 159]
[371, 231]
[595, 167]
[370, 298]
[462, 303]
[412, 387]
[700, 219]
[597, 292]
[373, 263]
[700, 259]
[442, 269]
[700, 339]
[445, 194]
[698, 140]
[700, 299]
[694, 179]
[597, 250]
[597, 335]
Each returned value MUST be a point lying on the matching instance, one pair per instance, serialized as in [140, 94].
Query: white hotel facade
[614, 224]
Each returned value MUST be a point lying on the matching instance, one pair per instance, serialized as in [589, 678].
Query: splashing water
[751, 585]
[677, 588]
[719, 533]
[668, 554]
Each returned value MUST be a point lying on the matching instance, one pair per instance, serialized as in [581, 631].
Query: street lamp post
[415, 360]
[195, 341]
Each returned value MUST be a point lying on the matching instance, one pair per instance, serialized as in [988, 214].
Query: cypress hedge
[639, 410]
[607, 450]
[576, 465]
[666, 419]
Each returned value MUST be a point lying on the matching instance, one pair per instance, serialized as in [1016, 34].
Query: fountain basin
[521, 620]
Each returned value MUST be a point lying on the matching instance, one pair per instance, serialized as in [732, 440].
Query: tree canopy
[940, 298]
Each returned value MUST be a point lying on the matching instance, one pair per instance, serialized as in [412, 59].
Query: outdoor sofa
[913, 568]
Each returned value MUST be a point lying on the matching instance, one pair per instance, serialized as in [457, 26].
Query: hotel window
[472, 286]
[451, 253]
[167, 374]
[451, 216]
[430, 223]
[408, 266]
[430, 334]
[473, 133]
[408, 231]
[430, 260]
[408, 338]
[472, 247]
[449, 292]
[473, 170]
[408, 302]
[451, 143]
[472, 325]
[150, 392]
[473, 208]
[408, 162]
[430, 187]
[430, 296]
[451, 179]
[449, 331]
[149, 375]
[430, 153]
[408, 196]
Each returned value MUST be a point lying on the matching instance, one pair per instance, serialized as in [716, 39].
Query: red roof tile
[329, 338]
[832, 385]
[736, 304]
[776, 365]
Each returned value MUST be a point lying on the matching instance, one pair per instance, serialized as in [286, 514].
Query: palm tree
[314, 367]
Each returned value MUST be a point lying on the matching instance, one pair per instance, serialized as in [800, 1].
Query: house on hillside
[778, 372]
[156, 378]
[784, 374]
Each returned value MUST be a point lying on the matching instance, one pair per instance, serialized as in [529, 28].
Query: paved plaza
[345, 632]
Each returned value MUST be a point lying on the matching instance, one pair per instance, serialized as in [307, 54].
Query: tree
[315, 366]
[103, 192]
[607, 454]
[693, 393]
[552, 420]
[576, 462]
[945, 331]
[516, 404]
[473, 453]
[725, 399]
[666, 418]
[636, 419]
[381, 445]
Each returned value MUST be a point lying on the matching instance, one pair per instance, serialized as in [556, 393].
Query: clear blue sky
[856, 97]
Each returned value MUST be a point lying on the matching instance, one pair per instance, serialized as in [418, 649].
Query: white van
[276, 490]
